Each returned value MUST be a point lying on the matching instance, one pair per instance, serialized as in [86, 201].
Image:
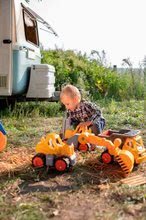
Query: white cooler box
[42, 81]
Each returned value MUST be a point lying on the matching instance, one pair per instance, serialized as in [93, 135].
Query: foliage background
[91, 74]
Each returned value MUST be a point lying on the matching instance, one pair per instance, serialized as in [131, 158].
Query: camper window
[30, 26]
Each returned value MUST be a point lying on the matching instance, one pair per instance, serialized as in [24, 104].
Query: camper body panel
[21, 70]
[6, 24]
[25, 54]
[19, 26]
[20, 73]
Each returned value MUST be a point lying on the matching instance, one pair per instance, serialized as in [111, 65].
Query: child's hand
[84, 125]
[61, 135]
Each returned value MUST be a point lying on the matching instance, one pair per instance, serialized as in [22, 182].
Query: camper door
[6, 24]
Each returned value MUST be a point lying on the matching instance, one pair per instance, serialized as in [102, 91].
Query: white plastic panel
[6, 24]
[42, 82]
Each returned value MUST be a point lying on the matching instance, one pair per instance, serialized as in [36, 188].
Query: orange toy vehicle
[3, 138]
[124, 146]
[53, 153]
[72, 136]
[130, 141]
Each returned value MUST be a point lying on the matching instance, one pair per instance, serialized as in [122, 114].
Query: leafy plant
[93, 75]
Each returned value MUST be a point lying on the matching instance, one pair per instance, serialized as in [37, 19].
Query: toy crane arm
[92, 139]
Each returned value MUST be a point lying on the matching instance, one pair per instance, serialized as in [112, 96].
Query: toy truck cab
[136, 147]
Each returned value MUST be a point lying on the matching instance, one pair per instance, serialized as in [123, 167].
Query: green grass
[85, 193]
[25, 128]
[127, 114]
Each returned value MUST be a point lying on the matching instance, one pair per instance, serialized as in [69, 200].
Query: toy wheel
[61, 164]
[39, 160]
[83, 147]
[106, 157]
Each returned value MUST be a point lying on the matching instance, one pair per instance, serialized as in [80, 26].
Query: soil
[92, 190]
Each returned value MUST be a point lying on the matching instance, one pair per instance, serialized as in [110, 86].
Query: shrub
[90, 75]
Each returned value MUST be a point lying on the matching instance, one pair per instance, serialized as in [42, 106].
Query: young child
[79, 112]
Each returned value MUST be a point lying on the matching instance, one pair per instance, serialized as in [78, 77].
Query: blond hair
[70, 91]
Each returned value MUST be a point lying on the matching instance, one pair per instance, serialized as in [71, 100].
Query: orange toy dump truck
[3, 138]
[53, 153]
[124, 146]
[131, 141]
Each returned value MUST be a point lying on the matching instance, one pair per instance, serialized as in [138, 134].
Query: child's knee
[97, 128]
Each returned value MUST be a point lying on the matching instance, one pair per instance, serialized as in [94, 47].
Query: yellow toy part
[125, 160]
[126, 151]
[136, 147]
[53, 145]
[69, 133]
[3, 141]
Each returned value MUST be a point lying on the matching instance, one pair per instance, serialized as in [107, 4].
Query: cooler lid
[43, 66]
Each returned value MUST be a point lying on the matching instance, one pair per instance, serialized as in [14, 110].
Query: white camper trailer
[21, 72]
